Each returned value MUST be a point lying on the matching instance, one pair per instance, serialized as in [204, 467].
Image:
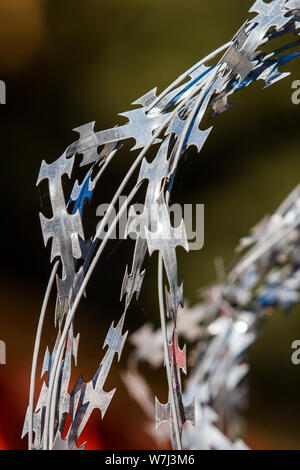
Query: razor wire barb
[170, 121]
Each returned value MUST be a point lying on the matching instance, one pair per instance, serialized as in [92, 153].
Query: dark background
[69, 62]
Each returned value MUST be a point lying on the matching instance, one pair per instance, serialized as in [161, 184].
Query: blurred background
[69, 62]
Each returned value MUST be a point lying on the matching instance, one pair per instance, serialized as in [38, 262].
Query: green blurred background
[68, 62]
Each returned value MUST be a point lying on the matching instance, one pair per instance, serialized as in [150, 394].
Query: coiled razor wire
[222, 327]
[170, 121]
